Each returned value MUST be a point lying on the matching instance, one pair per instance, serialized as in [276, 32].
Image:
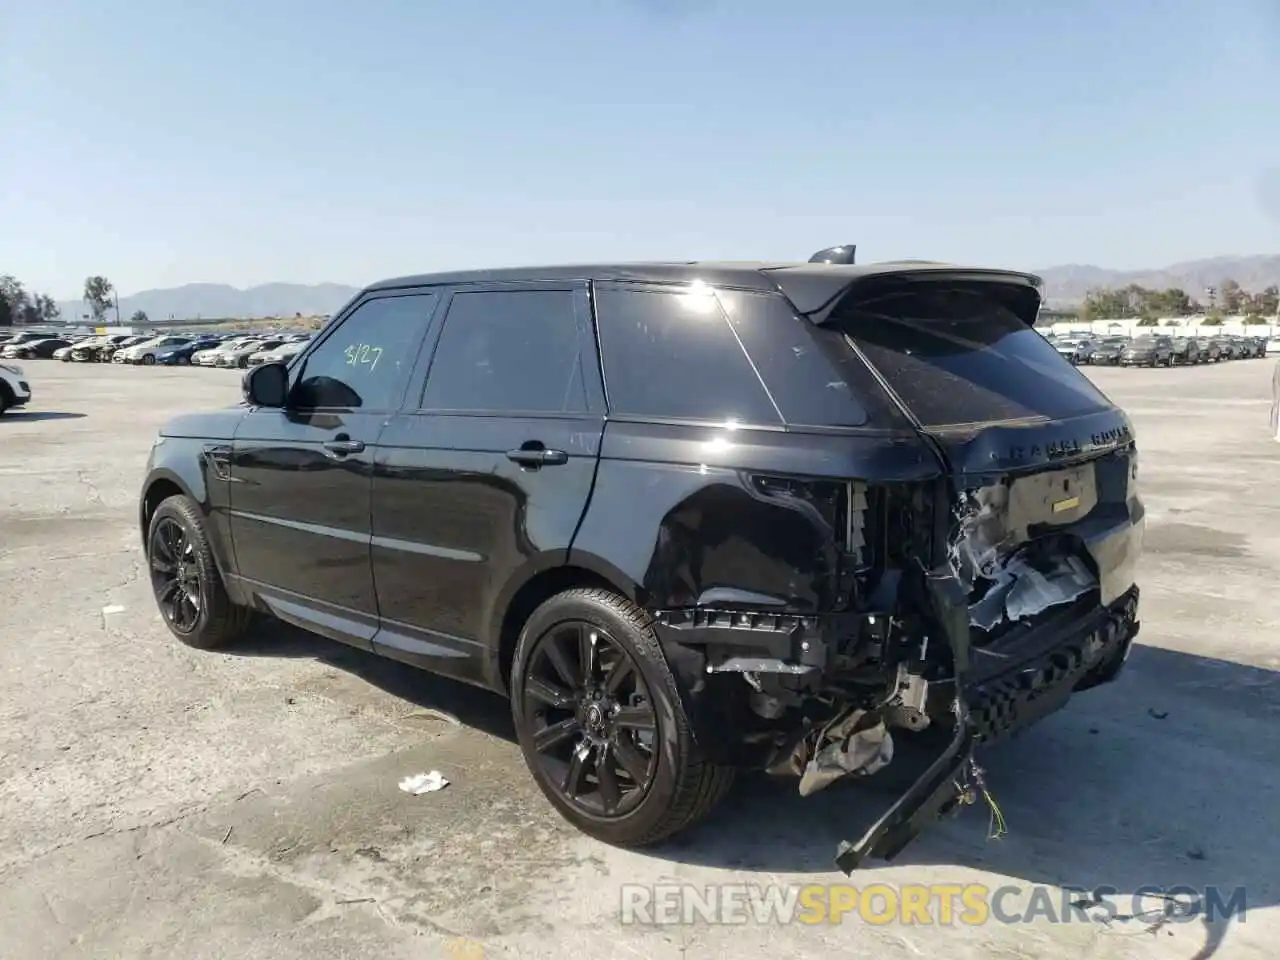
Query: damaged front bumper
[996, 703]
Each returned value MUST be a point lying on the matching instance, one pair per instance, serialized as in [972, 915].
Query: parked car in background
[1273, 346]
[1076, 349]
[239, 357]
[281, 354]
[630, 498]
[18, 339]
[1257, 346]
[145, 352]
[209, 357]
[1148, 350]
[111, 352]
[14, 389]
[1186, 350]
[96, 349]
[179, 355]
[34, 349]
[1106, 352]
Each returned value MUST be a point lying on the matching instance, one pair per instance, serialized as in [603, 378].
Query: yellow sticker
[1068, 504]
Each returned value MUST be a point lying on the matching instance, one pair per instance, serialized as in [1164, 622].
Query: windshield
[957, 356]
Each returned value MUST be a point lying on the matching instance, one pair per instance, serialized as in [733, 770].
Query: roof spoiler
[816, 288]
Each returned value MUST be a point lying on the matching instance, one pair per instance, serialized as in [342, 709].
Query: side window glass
[364, 363]
[511, 351]
[673, 354]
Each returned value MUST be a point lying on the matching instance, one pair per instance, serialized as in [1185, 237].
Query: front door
[300, 476]
[482, 481]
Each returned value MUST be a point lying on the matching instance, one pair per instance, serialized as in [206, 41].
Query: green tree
[13, 298]
[97, 293]
[44, 308]
[1253, 320]
[1267, 303]
[139, 316]
[1231, 297]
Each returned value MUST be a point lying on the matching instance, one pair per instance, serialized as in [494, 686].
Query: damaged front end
[963, 610]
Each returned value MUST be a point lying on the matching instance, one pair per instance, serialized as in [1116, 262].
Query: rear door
[480, 483]
[1044, 504]
[300, 476]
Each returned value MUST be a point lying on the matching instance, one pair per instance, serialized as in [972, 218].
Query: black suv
[691, 517]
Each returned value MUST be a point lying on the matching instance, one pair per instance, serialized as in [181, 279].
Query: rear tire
[148, 360]
[594, 759]
[188, 588]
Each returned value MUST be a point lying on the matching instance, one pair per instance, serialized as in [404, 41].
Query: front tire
[185, 580]
[148, 360]
[600, 723]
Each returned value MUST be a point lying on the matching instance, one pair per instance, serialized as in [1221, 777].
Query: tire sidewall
[673, 744]
[172, 509]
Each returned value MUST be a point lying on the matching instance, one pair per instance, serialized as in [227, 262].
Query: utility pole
[117, 296]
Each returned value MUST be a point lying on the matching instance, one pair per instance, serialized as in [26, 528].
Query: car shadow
[30, 416]
[1164, 779]
[472, 706]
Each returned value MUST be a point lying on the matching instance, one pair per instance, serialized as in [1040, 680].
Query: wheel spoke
[169, 593]
[555, 733]
[552, 696]
[160, 547]
[630, 758]
[571, 785]
[587, 652]
[561, 664]
[185, 611]
[610, 793]
[618, 673]
[635, 718]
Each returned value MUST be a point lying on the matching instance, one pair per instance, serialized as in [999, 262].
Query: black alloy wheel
[592, 719]
[175, 576]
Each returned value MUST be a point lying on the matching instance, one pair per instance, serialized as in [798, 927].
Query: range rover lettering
[691, 518]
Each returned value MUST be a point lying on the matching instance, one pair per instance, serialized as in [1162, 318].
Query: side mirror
[266, 385]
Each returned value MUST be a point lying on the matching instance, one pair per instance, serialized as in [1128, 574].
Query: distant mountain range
[1064, 286]
[1067, 285]
[208, 301]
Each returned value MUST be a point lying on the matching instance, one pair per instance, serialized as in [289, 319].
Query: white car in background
[210, 357]
[146, 351]
[1273, 346]
[281, 354]
[14, 389]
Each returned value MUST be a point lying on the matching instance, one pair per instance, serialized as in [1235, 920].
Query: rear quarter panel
[676, 519]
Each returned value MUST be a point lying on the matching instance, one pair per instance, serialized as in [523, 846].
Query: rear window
[670, 353]
[957, 355]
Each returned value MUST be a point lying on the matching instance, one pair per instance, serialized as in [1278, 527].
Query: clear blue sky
[162, 142]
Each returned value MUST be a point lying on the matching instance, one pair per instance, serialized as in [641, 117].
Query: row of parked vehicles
[1161, 350]
[199, 349]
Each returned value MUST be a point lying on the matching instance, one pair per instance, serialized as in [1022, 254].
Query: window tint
[958, 356]
[510, 350]
[365, 361]
[813, 376]
[673, 354]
